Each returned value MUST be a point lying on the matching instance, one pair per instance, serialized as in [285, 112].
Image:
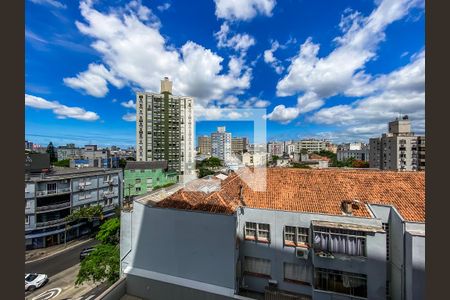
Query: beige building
[239, 144]
[165, 129]
[398, 149]
[311, 145]
[253, 159]
[204, 145]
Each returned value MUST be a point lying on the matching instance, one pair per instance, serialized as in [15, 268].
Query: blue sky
[327, 69]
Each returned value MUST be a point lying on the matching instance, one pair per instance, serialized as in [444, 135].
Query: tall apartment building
[311, 145]
[204, 145]
[398, 149]
[288, 242]
[239, 144]
[55, 194]
[221, 144]
[165, 129]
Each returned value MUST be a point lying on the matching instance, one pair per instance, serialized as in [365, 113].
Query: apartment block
[358, 151]
[311, 145]
[204, 145]
[141, 177]
[55, 194]
[312, 234]
[239, 144]
[221, 144]
[398, 149]
[69, 152]
[276, 148]
[165, 129]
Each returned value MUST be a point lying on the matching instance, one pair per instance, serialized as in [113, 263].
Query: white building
[165, 128]
[221, 144]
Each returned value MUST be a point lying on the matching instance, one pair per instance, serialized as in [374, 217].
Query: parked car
[34, 281]
[85, 252]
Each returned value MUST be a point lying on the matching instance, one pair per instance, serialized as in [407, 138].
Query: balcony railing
[50, 223]
[108, 194]
[52, 192]
[53, 207]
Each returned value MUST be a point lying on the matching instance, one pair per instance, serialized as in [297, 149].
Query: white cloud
[129, 104]
[61, 111]
[94, 81]
[243, 9]
[135, 53]
[340, 72]
[163, 7]
[238, 42]
[400, 92]
[270, 59]
[255, 102]
[283, 114]
[129, 117]
[53, 3]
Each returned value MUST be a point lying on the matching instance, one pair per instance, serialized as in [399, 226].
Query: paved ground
[59, 262]
[36, 254]
[62, 287]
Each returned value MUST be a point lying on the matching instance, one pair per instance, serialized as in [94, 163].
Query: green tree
[62, 163]
[102, 264]
[122, 163]
[212, 162]
[89, 213]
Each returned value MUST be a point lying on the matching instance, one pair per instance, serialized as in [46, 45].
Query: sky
[338, 70]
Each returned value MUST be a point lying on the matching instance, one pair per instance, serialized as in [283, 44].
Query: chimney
[346, 206]
[166, 85]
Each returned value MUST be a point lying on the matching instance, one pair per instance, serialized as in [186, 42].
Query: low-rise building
[141, 177]
[253, 159]
[358, 151]
[69, 152]
[51, 196]
[311, 234]
[311, 145]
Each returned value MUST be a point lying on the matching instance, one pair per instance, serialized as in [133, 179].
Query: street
[58, 262]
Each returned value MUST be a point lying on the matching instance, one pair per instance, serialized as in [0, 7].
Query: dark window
[341, 282]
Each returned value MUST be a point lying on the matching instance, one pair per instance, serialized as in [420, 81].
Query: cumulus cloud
[400, 92]
[163, 7]
[129, 117]
[270, 59]
[129, 104]
[283, 114]
[53, 3]
[341, 71]
[243, 9]
[238, 42]
[255, 102]
[61, 111]
[135, 53]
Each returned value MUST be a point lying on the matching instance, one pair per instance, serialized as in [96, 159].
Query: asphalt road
[58, 262]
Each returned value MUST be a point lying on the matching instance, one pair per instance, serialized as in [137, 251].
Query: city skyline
[254, 56]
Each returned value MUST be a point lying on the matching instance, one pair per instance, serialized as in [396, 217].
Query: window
[257, 266]
[386, 228]
[51, 188]
[138, 180]
[257, 231]
[297, 273]
[27, 204]
[296, 236]
[341, 282]
[106, 178]
[342, 241]
[138, 189]
[27, 220]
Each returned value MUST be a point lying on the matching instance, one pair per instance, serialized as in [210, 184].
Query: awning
[349, 226]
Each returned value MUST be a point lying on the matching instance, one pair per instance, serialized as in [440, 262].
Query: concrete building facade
[50, 197]
[239, 144]
[358, 151]
[204, 145]
[165, 129]
[279, 244]
[398, 149]
[221, 144]
[311, 145]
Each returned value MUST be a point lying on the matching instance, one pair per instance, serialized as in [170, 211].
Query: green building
[141, 177]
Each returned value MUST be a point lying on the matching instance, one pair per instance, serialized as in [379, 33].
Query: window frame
[331, 285]
[257, 274]
[347, 233]
[295, 241]
[257, 232]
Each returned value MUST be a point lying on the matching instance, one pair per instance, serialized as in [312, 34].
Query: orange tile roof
[311, 190]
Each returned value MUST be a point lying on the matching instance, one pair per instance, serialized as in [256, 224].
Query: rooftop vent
[348, 206]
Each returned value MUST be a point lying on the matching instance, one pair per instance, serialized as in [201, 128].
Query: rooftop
[59, 173]
[146, 165]
[315, 191]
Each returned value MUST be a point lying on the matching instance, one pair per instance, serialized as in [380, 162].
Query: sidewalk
[36, 254]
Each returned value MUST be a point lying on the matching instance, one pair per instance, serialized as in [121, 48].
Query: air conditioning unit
[81, 187]
[301, 252]
[273, 283]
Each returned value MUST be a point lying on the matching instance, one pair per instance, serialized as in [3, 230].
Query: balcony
[53, 207]
[52, 192]
[108, 194]
[50, 223]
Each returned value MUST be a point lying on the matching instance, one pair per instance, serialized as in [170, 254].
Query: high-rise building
[221, 144]
[239, 144]
[204, 145]
[398, 149]
[165, 128]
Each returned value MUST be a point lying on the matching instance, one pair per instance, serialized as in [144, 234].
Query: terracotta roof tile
[316, 191]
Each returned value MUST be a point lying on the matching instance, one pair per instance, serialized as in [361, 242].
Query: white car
[34, 281]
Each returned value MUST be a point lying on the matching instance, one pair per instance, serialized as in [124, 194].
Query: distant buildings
[51, 194]
[358, 151]
[221, 144]
[311, 145]
[399, 149]
[69, 152]
[239, 145]
[165, 129]
[141, 177]
[28, 145]
[204, 145]
[275, 148]
[312, 234]
[253, 159]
